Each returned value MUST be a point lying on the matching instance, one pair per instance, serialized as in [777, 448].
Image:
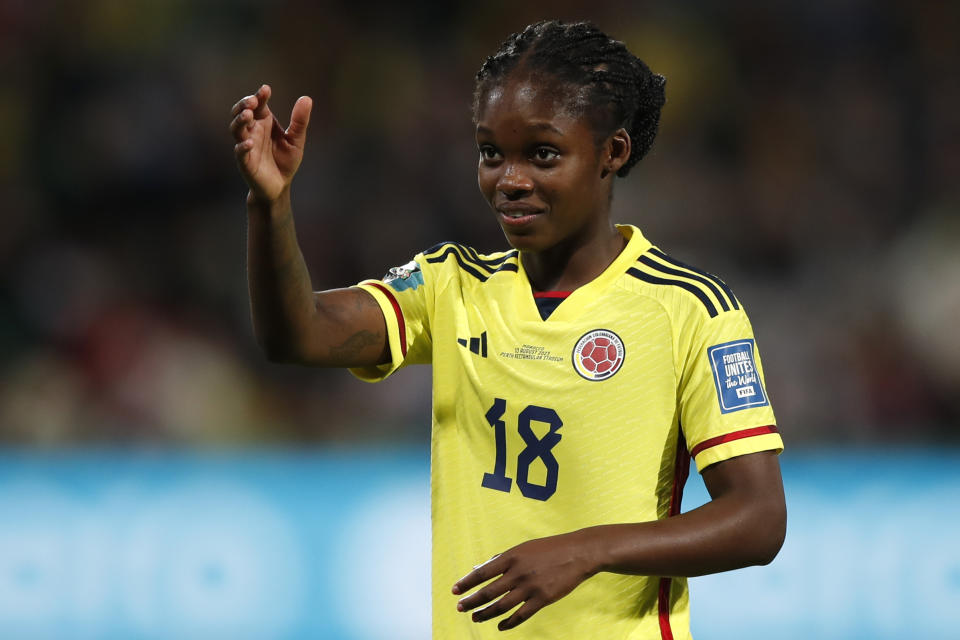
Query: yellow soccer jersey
[589, 417]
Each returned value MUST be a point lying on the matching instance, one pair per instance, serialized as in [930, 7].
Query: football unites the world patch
[598, 355]
[406, 277]
[736, 377]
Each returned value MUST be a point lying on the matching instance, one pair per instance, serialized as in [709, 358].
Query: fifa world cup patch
[406, 277]
[736, 377]
[598, 355]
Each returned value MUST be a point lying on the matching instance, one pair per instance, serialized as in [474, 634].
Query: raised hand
[268, 155]
[535, 573]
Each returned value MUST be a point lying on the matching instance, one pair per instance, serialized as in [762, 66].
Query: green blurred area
[809, 154]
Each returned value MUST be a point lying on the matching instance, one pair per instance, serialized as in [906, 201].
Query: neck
[573, 263]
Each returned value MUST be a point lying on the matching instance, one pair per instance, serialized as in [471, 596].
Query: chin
[523, 241]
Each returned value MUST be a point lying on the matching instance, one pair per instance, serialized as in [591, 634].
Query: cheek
[582, 182]
[562, 189]
[487, 181]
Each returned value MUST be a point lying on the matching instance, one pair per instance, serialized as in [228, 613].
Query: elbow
[772, 533]
[769, 551]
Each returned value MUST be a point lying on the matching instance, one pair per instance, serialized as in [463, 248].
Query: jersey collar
[577, 301]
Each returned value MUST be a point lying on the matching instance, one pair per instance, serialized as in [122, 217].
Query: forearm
[724, 534]
[737, 528]
[281, 295]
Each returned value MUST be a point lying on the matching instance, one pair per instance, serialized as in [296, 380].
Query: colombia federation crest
[598, 355]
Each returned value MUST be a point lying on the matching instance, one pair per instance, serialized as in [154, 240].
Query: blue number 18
[541, 448]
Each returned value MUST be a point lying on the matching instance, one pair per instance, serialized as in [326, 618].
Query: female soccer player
[575, 375]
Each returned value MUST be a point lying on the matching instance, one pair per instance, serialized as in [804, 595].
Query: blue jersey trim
[695, 290]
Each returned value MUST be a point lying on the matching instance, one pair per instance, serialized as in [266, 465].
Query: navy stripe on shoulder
[438, 247]
[451, 250]
[488, 262]
[683, 284]
[469, 260]
[687, 274]
[470, 255]
[505, 261]
[683, 265]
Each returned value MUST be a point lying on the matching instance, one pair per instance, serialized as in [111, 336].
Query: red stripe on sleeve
[663, 604]
[730, 437]
[681, 468]
[400, 322]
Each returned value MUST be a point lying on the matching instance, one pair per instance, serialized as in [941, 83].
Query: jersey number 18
[536, 448]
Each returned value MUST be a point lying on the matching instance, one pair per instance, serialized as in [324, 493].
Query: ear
[615, 152]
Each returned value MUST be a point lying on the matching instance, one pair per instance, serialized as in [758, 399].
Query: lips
[517, 213]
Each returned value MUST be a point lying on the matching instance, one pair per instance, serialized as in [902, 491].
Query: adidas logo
[476, 345]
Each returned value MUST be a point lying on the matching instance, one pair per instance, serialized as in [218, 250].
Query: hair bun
[659, 84]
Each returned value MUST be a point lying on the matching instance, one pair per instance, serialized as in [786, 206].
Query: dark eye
[489, 154]
[545, 154]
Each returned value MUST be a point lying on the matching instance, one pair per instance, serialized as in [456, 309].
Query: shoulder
[460, 260]
[680, 287]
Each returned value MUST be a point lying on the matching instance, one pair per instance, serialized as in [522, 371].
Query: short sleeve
[724, 407]
[405, 296]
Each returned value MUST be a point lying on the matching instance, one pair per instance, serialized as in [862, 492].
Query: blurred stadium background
[159, 479]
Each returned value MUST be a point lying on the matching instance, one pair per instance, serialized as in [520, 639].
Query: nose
[514, 182]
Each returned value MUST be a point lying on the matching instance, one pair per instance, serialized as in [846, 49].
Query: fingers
[481, 573]
[256, 103]
[241, 125]
[509, 597]
[254, 107]
[244, 113]
[529, 608]
[299, 119]
[262, 95]
[253, 101]
[243, 103]
[498, 608]
[483, 596]
[241, 148]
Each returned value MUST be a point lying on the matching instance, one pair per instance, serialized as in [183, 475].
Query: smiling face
[541, 168]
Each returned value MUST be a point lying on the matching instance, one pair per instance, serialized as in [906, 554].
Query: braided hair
[609, 84]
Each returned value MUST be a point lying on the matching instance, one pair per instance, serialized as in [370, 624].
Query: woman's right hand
[268, 155]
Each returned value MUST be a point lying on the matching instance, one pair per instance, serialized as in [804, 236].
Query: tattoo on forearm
[353, 345]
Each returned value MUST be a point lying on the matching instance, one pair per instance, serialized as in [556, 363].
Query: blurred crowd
[809, 153]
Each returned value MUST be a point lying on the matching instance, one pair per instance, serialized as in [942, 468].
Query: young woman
[575, 375]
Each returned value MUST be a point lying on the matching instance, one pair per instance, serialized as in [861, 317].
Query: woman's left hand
[535, 573]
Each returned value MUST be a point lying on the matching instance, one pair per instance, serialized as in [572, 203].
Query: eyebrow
[540, 126]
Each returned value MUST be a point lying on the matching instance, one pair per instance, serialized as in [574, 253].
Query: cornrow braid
[612, 87]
